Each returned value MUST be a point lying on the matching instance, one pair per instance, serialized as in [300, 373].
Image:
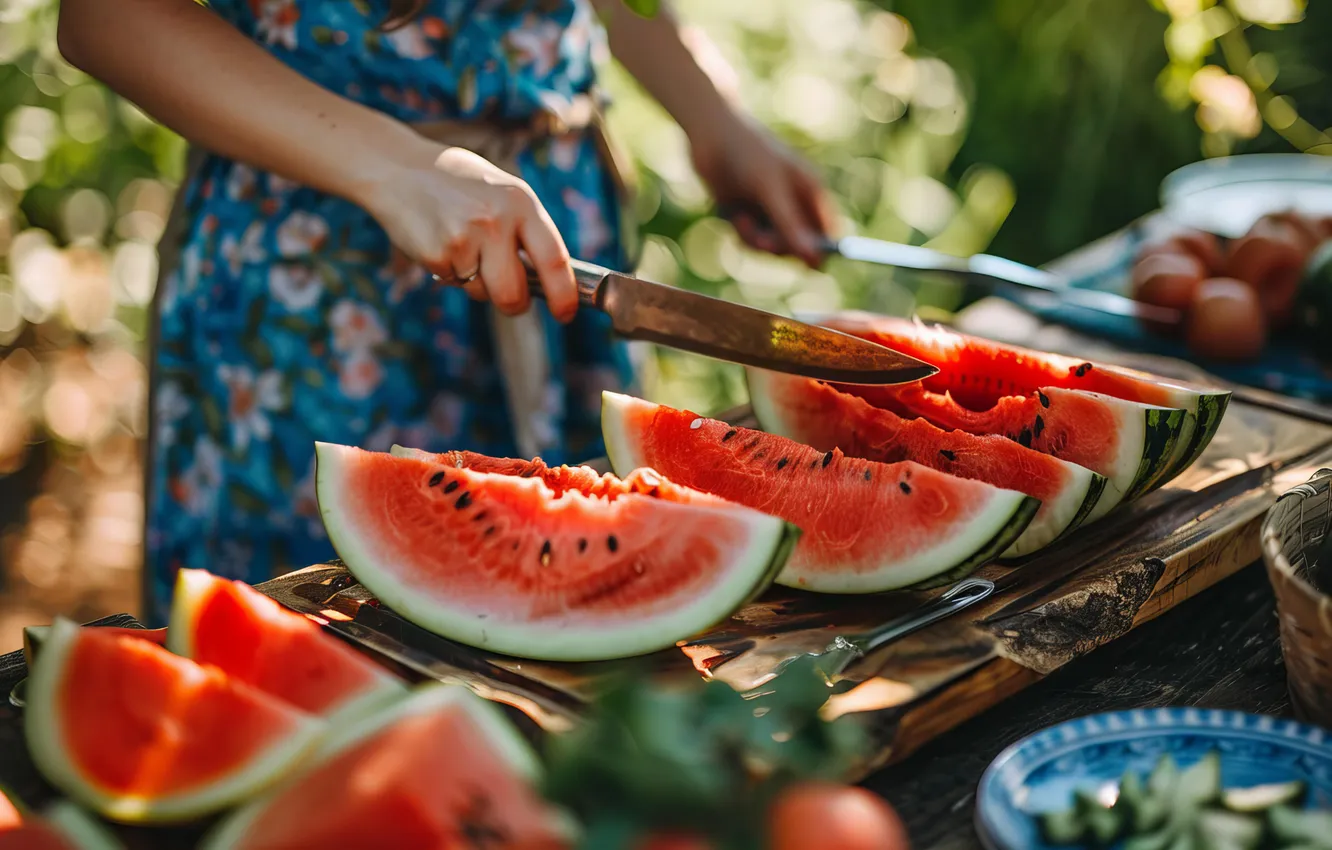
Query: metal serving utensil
[843, 651]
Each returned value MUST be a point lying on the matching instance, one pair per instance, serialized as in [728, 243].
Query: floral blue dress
[289, 317]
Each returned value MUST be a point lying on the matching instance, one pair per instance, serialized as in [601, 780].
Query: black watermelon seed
[612, 543]
[754, 442]
[436, 478]
[490, 530]
[1045, 400]
[545, 553]
[813, 463]
[464, 500]
[906, 488]
[1024, 438]
[582, 544]
[1083, 369]
[728, 435]
[868, 475]
[827, 459]
[479, 517]
[781, 464]
[451, 486]
[948, 455]
[527, 473]
[1040, 425]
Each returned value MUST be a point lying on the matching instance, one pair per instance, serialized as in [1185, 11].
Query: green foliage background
[1025, 126]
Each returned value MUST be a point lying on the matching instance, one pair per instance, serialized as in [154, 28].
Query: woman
[348, 144]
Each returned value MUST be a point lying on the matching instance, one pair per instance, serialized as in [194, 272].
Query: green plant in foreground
[698, 758]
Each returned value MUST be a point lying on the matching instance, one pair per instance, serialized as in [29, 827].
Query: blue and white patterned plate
[1041, 772]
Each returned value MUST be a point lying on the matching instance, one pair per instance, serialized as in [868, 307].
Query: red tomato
[1270, 258]
[1226, 321]
[1305, 227]
[673, 841]
[1167, 279]
[823, 816]
[1199, 244]
[10, 818]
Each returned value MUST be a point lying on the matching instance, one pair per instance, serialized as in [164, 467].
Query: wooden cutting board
[1133, 565]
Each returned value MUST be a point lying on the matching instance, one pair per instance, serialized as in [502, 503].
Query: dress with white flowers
[289, 318]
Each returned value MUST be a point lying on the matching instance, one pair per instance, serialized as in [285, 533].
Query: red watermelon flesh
[979, 376]
[442, 769]
[253, 639]
[10, 817]
[984, 388]
[825, 418]
[540, 563]
[63, 826]
[139, 734]
[867, 526]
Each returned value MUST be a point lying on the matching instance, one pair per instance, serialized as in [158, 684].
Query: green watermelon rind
[79, 827]
[1095, 491]
[767, 411]
[1001, 521]
[44, 745]
[1209, 408]
[1163, 429]
[1148, 434]
[750, 569]
[991, 552]
[192, 584]
[429, 696]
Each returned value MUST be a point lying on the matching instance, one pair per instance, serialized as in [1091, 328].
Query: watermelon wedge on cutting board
[557, 564]
[995, 388]
[63, 826]
[825, 418]
[141, 735]
[235, 628]
[440, 769]
[868, 527]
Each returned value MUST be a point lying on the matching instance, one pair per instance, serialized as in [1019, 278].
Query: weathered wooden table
[1218, 650]
[1162, 585]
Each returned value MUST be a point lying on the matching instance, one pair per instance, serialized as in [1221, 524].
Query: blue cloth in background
[1106, 266]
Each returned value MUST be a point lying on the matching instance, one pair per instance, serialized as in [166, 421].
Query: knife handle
[587, 276]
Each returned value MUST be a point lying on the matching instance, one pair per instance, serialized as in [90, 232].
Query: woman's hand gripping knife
[447, 208]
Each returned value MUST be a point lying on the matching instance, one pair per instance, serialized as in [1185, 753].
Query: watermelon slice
[253, 639]
[978, 374]
[563, 566]
[442, 768]
[144, 736]
[10, 816]
[63, 826]
[868, 526]
[825, 418]
[984, 388]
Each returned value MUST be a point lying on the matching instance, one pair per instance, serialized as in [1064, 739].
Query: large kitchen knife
[642, 310]
[1021, 283]
[1024, 282]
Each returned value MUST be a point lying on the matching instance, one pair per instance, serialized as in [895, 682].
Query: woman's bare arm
[445, 207]
[743, 165]
[196, 74]
[652, 50]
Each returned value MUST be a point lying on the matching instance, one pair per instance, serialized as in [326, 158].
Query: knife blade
[1023, 283]
[1032, 282]
[653, 312]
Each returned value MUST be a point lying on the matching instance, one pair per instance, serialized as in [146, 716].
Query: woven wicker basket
[1297, 546]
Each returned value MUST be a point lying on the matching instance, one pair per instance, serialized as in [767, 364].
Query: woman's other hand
[464, 218]
[746, 167]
